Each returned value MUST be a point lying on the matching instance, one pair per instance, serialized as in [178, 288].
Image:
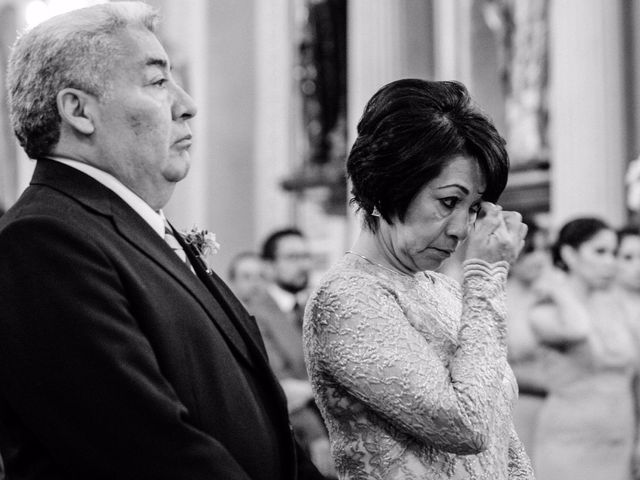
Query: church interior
[280, 85]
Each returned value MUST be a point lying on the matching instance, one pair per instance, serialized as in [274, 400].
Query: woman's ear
[74, 107]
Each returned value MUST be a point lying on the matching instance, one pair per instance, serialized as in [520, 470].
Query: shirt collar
[142, 208]
[285, 300]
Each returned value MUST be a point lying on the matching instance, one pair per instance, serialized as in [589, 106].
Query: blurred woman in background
[628, 277]
[587, 426]
[526, 354]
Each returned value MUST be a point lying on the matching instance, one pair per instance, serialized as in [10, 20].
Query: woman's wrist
[477, 266]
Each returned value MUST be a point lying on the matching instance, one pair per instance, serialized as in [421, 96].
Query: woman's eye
[449, 202]
[161, 82]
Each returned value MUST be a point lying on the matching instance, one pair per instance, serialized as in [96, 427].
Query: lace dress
[410, 373]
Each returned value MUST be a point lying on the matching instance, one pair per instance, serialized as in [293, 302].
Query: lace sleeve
[363, 341]
[519, 463]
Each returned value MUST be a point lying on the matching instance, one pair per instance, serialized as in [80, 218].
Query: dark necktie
[298, 313]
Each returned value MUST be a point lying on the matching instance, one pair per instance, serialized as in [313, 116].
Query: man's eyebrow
[157, 62]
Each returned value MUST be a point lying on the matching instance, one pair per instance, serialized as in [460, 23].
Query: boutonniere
[202, 242]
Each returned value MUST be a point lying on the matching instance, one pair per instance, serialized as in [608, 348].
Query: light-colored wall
[214, 41]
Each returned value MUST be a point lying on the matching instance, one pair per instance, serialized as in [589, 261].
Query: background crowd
[573, 299]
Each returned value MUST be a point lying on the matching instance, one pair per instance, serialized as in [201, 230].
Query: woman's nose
[459, 224]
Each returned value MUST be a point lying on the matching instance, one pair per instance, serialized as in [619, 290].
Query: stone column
[387, 40]
[453, 40]
[587, 110]
[276, 113]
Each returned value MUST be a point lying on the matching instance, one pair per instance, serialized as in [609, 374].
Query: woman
[526, 355]
[628, 277]
[587, 426]
[408, 367]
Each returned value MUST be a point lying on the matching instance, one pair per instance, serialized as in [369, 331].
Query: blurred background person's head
[246, 275]
[628, 259]
[288, 258]
[534, 257]
[585, 248]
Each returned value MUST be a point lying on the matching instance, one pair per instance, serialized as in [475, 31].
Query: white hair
[72, 50]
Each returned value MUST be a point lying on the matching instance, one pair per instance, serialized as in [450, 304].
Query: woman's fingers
[489, 218]
[513, 222]
[497, 234]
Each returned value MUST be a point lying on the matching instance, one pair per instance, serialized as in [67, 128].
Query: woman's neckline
[389, 269]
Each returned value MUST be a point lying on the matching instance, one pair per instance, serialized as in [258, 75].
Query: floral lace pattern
[410, 373]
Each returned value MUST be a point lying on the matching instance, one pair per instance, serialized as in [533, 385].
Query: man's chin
[178, 169]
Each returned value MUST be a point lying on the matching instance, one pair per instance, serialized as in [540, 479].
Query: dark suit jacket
[116, 361]
[282, 337]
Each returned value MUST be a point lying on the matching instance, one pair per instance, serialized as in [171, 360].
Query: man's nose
[183, 105]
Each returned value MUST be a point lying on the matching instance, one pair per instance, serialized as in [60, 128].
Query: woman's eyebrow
[461, 187]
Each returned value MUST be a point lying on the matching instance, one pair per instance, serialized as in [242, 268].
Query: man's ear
[74, 107]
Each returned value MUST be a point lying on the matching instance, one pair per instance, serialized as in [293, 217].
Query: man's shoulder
[46, 212]
[265, 310]
[262, 303]
[43, 203]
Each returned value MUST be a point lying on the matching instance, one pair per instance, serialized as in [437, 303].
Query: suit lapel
[226, 298]
[127, 222]
[140, 235]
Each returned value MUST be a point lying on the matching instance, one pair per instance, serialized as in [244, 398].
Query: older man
[121, 356]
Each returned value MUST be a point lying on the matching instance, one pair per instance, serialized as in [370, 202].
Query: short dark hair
[408, 132]
[270, 245]
[574, 233]
[628, 231]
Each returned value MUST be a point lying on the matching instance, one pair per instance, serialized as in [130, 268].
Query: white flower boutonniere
[203, 243]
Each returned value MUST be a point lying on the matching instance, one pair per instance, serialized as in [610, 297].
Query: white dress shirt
[286, 301]
[154, 219]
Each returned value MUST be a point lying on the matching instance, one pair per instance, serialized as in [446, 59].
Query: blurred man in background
[279, 310]
[247, 276]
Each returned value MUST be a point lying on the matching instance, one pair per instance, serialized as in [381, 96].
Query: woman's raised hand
[496, 235]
